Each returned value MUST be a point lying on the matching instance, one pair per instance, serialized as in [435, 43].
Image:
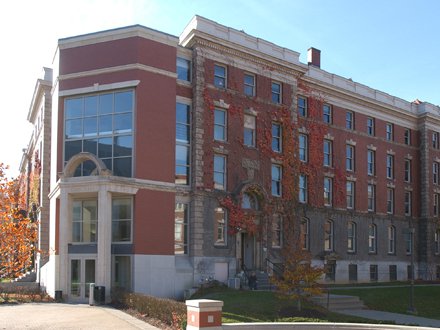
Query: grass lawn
[426, 299]
[263, 306]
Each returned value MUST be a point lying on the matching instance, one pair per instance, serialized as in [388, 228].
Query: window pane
[90, 126]
[183, 69]
[121, 208]
[122, 167]
[123, 146]
[124, 101]
[105, 125]
[90, 146]
[90, 106]
[74, 128]
[105, 103]
[105, 148]
[123, 123]
[72, 148]
[182, 155]
[88, 167]
[73, 108]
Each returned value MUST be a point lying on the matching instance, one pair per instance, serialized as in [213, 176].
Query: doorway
[248, 250]
[82, 274]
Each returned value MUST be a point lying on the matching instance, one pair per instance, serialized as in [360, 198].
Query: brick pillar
[204, 314]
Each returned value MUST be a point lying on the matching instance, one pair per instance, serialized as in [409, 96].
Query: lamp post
[411, 307]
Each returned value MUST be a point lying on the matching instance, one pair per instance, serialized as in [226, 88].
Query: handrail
[274, 268]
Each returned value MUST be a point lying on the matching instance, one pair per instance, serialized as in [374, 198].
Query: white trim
[99, 88]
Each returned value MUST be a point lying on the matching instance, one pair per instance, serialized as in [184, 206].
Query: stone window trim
[391, 185]
[251, 112]
[407, 188]
[371, 147]
[221, 104]
[351, 178]
[328, 136]
[391, 152]
[350, 142]
[303, 130]
[220, 150]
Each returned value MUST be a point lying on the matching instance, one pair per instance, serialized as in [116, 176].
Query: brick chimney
[314, 57]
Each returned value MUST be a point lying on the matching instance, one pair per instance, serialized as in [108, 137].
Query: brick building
[158, 142]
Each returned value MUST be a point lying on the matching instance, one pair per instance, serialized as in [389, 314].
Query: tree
[299, 278]
[18, 234]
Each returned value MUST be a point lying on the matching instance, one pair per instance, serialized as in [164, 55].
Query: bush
[170, 312]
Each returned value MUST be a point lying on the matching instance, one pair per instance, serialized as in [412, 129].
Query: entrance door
[248, 246]
[82, 273]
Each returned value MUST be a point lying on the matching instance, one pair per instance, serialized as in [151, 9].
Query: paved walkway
[42, 316]
[397, 318]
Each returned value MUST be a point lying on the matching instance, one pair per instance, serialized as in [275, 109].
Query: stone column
[204, 314]
[104, 255]
[65, 235]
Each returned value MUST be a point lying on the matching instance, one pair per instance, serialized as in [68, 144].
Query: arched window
[220, 224]
[249, 202]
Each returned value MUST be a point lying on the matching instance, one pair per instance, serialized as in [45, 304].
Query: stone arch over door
[78, 159]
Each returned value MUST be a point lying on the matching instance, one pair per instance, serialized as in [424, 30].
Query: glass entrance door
[82, 273]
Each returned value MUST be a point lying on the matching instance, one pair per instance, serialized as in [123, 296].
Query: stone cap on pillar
[204, 303]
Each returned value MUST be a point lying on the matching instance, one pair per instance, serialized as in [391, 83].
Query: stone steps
[338, 302]
[28, 277]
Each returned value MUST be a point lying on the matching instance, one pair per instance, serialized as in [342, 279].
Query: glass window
[373, 273]
[408, 203]
[371, 195]
[350, 194]
[220, 125]
[249, 131]
[349, 120]
[407, 176]
[276, 137]
[435, 140]
[327, 113]
[219, 172]
[328, 190]
[351, 237]
[276, 180]
[435, 203]
[183, 69]
[182, 164]
[409, 241]
[349, 157]
[122, 219]
[302, 188]
[181, 229]
[249, 202]
[435, 178]
[390, 200]
[276, 92]
[304, 231]
[372, 232]
[121, 269]
[302, 106]
[101, 124]
[328, 153]
[183, 143]
[249, 84]
[370, 126]
[390, 166]
[219, 76]
[371, 159]
[407, 137]
[303, 148]
[277, 225]
[389, 131]
[85, 221]
[328, 235]
[220, 226]
[437, 241]
[391, 239]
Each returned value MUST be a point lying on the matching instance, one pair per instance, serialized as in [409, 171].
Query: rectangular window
[302, 188]
[351, 237]
[181, 229]
[85, 221]
[435, 178]
[349, 120]
[352, 273]
[409, 272]
[249, 84]
[276, 137]
[276, 92]
[391, 240]
[372, 238]
[219, 76]
[370, 126]
[389, 131]
[220, 226]
[371, 162]
[219, 172]
[407, 136]
[408, 203]
[390, 200]
[390, 166]
[407, 175]
[183, 145]
[328, 235]
[349, 157]
[121, 272]
[327, 113]
[350, 194]
[328, 153]
[101, 124]
[277, 225]
[435, 140]
[435, 204]
[303, 148]
[220, 125]
[304, 230]
[437, 241]
[373, 273]
[122, 219]
[183, 69]
[302, 106]
[393, 272]
[409, 241]
[276, 180]
[328, 191]
[249, 131]
[371, 195]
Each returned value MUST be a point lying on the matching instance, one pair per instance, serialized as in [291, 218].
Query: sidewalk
[402, 319]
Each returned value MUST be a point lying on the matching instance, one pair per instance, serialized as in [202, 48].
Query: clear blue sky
[390, 45]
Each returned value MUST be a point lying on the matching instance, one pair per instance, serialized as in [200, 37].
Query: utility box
[99, 295]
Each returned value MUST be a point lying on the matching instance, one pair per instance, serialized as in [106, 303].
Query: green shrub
[170, 312]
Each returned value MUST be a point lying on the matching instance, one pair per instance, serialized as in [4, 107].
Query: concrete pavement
[39, 316]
